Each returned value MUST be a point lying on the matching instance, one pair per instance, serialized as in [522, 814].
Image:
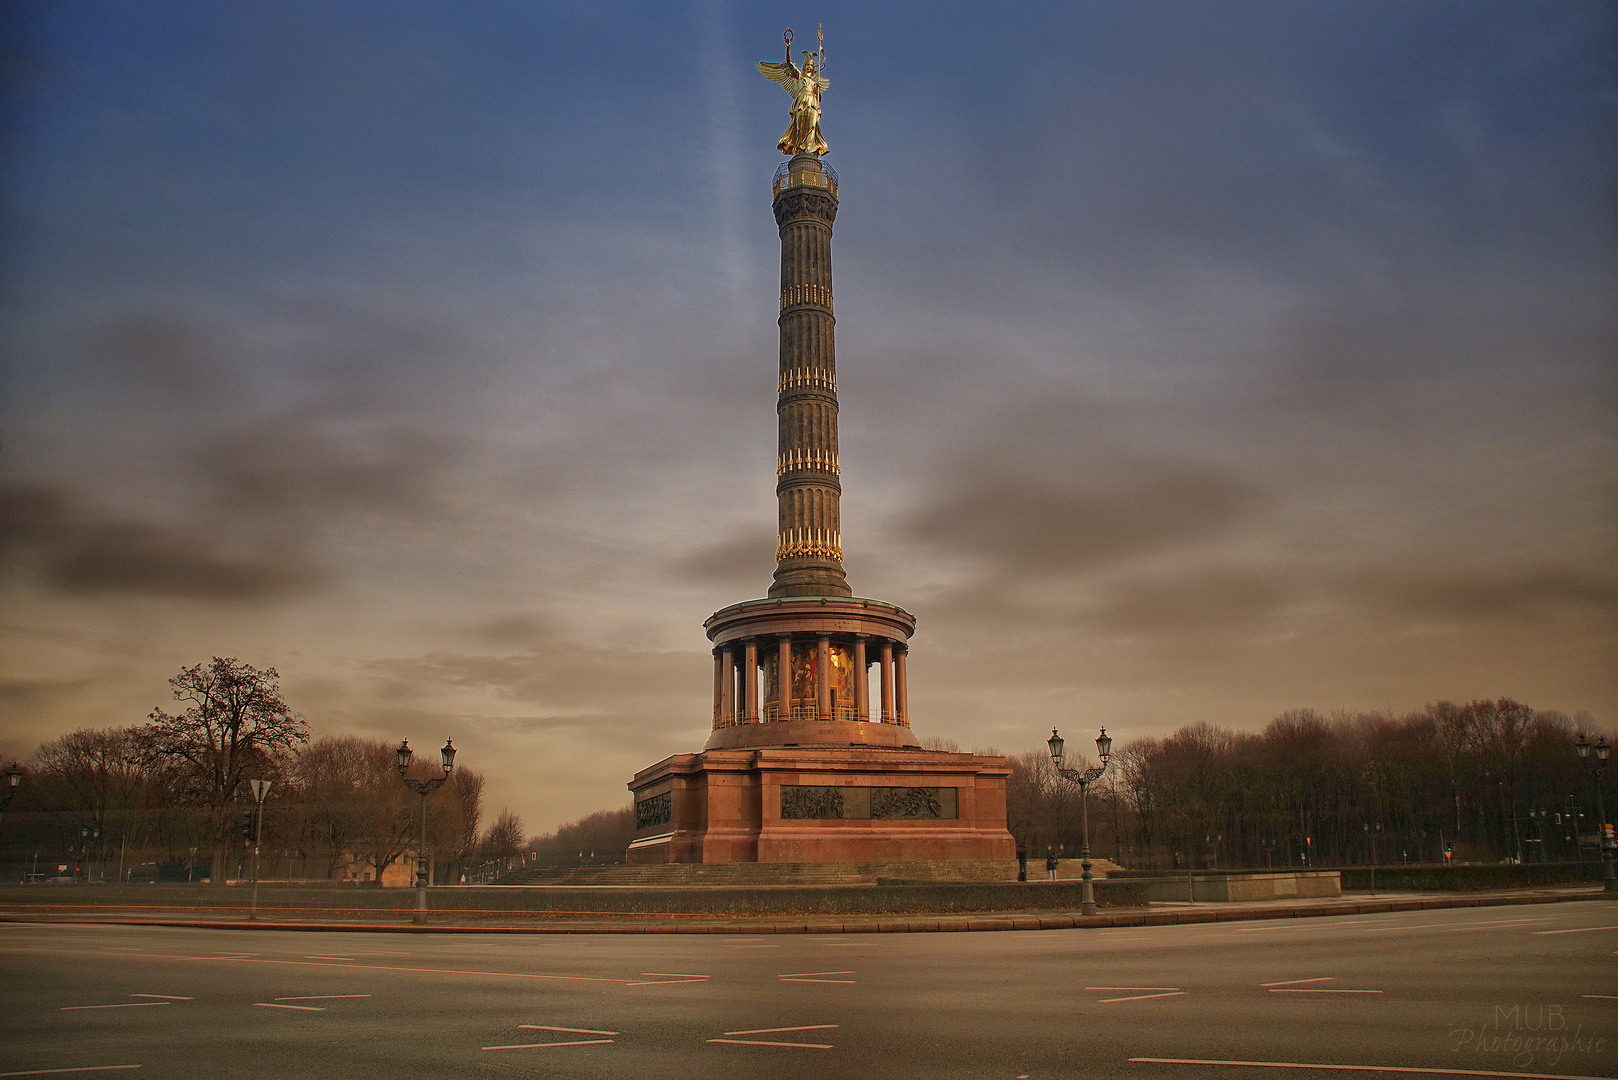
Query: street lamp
[424, 788]
[13, 778]
[1583, 747]
[1087, 899]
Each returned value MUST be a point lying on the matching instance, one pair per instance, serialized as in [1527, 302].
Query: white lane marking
[81, 1068]
[840, 982]
[1142, 997]
[314, 957]
[1496, 922]
[322, 997]
[1295, 982]
[806, 974]
[1577, 930]
[1603, 997]
[1360, 1068]
[668, 982]
[275, 1005]
[751, 946]
[843, 944]
[1131, 987]
[1261, 929]
[568, 1031]
[167, 997]
[1450, 925]
[761, 1042]
[674, 975]
[780, 1031]
[1317, 990]
[120, 1005]
[542, 1046]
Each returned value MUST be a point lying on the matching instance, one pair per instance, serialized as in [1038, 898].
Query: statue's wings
[787, 74]
[823, 82]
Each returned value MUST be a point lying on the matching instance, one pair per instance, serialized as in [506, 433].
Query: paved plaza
[1525, 990]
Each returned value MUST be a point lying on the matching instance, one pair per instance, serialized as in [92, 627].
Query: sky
[1197, 362]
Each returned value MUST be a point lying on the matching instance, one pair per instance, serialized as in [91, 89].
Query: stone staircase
[686, 874]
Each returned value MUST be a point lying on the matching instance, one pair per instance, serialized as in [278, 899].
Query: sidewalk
[506, 922]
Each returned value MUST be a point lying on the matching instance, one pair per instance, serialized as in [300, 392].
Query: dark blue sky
[1197, 361]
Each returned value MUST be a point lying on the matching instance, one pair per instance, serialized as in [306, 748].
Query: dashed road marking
[79, 1069]
[322, 997]
[784, 1030]
[1576, 930]
[542, 1046]
[565, 1031]
[1317, 990]
[1358, 1068]
[1131, 987]
[1142, 997]
[278, 1005]
[166, 997]
[1295, 982]
[762, 1042]
[120, 1005]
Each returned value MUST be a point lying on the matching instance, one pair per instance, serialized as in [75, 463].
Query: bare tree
[505, 837]
[235, 723]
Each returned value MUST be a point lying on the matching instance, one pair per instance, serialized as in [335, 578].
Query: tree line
[170, 798]
[1481, 781]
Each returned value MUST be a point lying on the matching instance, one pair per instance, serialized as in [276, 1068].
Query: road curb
[942, 924]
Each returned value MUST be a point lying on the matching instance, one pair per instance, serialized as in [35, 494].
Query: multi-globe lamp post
[1583, 747]
[424, 788]
[1084, 778]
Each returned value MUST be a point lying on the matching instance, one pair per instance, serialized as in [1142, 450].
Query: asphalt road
[1527, 991]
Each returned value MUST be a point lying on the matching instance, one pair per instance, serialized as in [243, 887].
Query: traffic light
[247, 826]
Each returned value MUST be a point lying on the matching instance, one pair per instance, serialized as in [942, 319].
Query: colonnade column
[718, 690]
[727, 697]
[901, 706]
[750, 683]
[862, 681]
[783, 678]
[823, 677]
[887, 682]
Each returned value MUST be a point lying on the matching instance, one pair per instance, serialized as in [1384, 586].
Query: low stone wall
[1238, 888]
[1463, 878]
[504, 901]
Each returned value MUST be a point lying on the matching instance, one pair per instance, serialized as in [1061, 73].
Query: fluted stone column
[718, 690]
[901, 697]
[750, 683]
[727, 712]
[862, 681]
[887, 682]
[783, 678]
[823, 677]
[809, 541]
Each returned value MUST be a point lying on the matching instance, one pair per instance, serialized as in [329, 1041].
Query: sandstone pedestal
[821, 803]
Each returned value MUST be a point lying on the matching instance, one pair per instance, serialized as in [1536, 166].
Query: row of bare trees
[145, 800]
[1488, 780]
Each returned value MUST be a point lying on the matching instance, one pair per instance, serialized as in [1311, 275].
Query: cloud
[79, 548]
[744, 561]
[1058, 523]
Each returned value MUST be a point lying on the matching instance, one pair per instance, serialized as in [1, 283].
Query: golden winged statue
[805, 84]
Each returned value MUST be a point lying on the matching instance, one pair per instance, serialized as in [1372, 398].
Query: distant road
[1513, 991]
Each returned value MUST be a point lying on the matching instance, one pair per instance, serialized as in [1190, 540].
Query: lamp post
[260, 788]
[1583, 747]
[424, 788]
[1087, 899]
[13, 778]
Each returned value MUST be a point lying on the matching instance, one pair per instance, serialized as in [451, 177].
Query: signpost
[261, 788]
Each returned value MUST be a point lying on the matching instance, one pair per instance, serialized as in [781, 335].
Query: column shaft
[750, 684]
[823, 677]
[783, 678]
[862, 681]
[887, 682]
[718, 690]
[901, 700]
[727, 664]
